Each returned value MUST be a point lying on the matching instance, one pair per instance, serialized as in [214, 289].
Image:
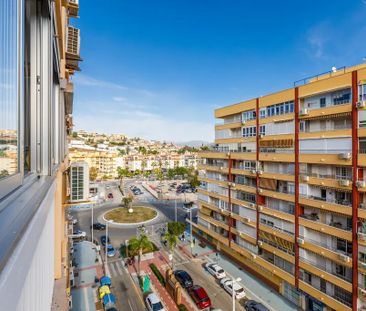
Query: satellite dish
[334, 69]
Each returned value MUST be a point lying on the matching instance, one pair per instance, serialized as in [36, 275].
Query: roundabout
[137, 216]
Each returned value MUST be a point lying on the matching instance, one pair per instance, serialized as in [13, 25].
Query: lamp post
[190, 229]
[106, 241]
[232, 289]
[175, 208]
[92, 222]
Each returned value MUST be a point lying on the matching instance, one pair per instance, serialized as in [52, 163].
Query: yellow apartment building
[283, 192]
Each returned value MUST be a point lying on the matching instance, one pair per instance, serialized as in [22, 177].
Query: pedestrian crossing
[116, 268]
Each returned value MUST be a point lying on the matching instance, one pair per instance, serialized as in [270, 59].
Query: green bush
[182, 307]
[157, 273]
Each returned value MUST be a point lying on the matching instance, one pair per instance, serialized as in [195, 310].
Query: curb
[134, 223]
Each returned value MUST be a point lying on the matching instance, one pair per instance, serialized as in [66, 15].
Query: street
[128, 295]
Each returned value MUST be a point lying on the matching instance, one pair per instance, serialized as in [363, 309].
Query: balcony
[332, 228]
[325, 250]
[277, 154]
[279, 232]
[326, 156]
[331, 205]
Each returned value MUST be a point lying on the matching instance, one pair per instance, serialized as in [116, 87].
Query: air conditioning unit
[247, 219]
[304, 112]
[360, 184]
[73, 41]
[243, 122]
[251, 205]
[260, 208]
[345, 156]
[261, 135]
[231, 184]
[300, 241]
[254, 172]
[260, 172]
[221, 168]
[344, 258]
[228, 154]
[361, 104]
[305, 177]
[344, 182]
[260, 243]
[362, 205]
[260, 190]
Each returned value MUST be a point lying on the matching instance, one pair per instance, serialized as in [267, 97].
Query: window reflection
[9, 90]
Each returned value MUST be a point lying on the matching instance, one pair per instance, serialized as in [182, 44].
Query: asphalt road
[127, 296]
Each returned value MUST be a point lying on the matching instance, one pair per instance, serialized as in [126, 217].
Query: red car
[200, 297]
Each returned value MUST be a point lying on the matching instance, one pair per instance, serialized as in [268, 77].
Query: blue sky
[158, 69]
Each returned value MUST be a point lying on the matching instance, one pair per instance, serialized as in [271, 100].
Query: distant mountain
[193, 143]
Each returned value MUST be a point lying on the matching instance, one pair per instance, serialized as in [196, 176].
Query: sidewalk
[86, 270]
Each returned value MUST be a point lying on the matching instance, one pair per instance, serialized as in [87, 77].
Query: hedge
[182, 307]
[157, 273]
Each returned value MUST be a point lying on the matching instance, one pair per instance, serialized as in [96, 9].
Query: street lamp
[92, 222]
[232, 289]
[106, 241]
[175, 207]
[190, 228]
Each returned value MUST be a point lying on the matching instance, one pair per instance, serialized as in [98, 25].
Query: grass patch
[122, 251]
[140, 214]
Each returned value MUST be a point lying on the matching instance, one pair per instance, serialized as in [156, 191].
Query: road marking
[129, 303]
[113, 271]
[119, 267]
[86, 299]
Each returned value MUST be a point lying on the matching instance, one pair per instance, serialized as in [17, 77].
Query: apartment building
[39, 54]
[283, 193]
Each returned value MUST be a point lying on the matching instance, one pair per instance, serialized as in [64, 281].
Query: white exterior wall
[26, 283]
[280, 128]
[326, 145]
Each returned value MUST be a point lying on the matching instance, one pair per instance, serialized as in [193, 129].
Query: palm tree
[172, 240]
[127, 201]
[138, 245]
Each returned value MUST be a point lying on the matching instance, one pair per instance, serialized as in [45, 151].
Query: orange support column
[229, 179]
[297, 171]
[257, 201]
[355, 193]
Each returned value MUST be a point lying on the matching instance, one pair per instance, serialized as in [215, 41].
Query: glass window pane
[9, 88]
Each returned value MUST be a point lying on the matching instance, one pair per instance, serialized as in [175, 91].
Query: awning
[109, 300]
[104, 290]
[105, 280]
[270, 184]
[330, 116]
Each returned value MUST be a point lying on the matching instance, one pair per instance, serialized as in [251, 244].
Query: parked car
[78, 234]
[153, 303]
[98, 226]
[252, 305]
[183, 278]
[215, 270]
[111, 252]
[200, 297]
[227, 284]
[104, 240]
[110, 195]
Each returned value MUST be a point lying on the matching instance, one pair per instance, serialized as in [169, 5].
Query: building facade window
[10, 94]
[250, 131]
[362, 92]
[249, 115]
[341, 97]
[278, 109]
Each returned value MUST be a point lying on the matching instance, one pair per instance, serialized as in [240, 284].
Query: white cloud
[317, 38]
[82, 79]
[146, 125]
[119, 99]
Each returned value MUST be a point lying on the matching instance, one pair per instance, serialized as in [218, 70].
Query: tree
[93, 173]
[4, 173]
[138, 245]
[127, 201]
[177, 228]
[193, 179]
[74, 134]
[172, 240]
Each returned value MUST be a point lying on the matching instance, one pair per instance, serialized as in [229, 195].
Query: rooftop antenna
[334, 69]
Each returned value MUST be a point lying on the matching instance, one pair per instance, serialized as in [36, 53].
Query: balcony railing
[322, 151]
[327, 200]
[334, 128]
[278, 229]
[327, 176]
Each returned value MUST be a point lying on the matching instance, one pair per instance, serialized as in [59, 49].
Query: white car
[215, 270]
[153, 303]
[227, 284]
